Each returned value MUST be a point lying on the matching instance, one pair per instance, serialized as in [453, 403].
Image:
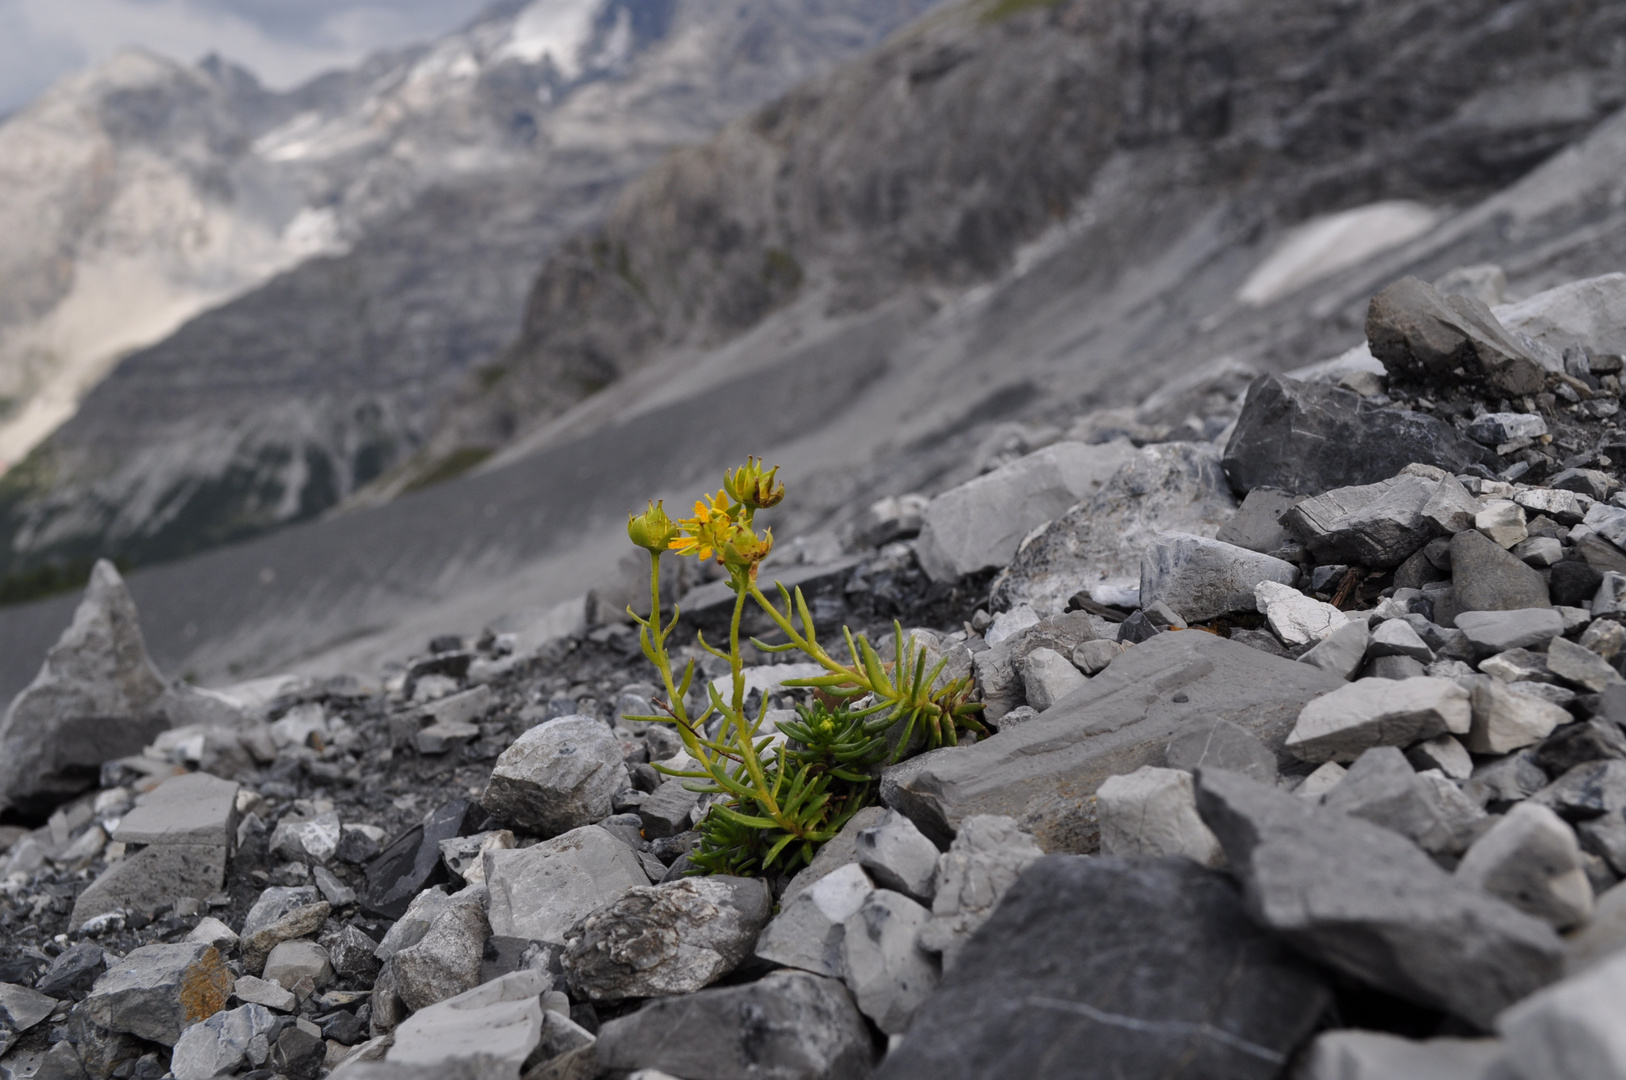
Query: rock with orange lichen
[159, 990]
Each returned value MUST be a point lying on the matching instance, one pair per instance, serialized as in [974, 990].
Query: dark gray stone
[1382, 788]
[1307, 438]
[1572, 744]
[20, 1009]
[1573, 583]
[97, 697]
[1505, 780]
[74, 971]
[1586, 791]
[1394, 667]
[557, 776]
[1605, 837]
[146, 879]
[412, 861]
[1043, 772]
[666, 811]
[1220, 744]
[1369, 903]
[675, 938]
[1421, 336]
[788, 1026]
[1377, 525]
[157, 991]
[1202, 578]
[1109, 968]
[1484, 577]
[1257, 525]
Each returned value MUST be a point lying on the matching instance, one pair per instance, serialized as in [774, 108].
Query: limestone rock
[1295, 618]
[95, 699]
[674, 938]
[1202, 578]
[1378, 525]
[1571, 1031]
[1153, 812]
[1341, 652]
[1378, 712]
[223, 1043]
[557, 776]
[1048, 677]
[500, 1020]
[1504, 721]
[808, 931]
[882, 964]
[291, 962]
[21, 1009]
[282, 913]
[446, 960]
[540, 892]
[1498, 631]
[1429, 811]
[1372, 1055]
[986, 858]
[1531, 859]
[899, 857]
[1423, 336]
[158, 991]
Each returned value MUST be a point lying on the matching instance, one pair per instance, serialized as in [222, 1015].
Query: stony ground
[1308, 760]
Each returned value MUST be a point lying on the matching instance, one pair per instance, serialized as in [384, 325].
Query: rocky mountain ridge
[367, 239]
[1335, 786]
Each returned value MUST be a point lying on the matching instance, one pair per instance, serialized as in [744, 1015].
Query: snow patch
[1329, 243]
[557, 29]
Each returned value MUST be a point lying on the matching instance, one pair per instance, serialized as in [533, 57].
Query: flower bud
[750, 486]
[652, 530]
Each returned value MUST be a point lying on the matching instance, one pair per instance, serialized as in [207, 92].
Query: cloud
[282, 41]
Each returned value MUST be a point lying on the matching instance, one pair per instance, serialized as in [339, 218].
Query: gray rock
[1505, 780]
[414, 923]
[899, 857]
[1372, 905]
[1092, 657]
[1580, 666]
[352, 953]
[1539, 551]
[986, 858]
[1531, 859]
[809, 928]
[1048, 677]
[557, 776]
[1609, 602]
[223, 1043]
[96, 698]
[73, 971]
[253, 990]
[500, 1020]
[1257, 525]
[1341, 652]
[674, 938]
[842, 849]
[801, 1027]
[465, 855]
[157, 991]
[1493, 429]
[882, 964]
[153, 876]
[1295, 618]
[1394, 668]
[1486, 578]
[1606, 637]
[1444, 753]
[1395, 637]
[1165, 487]
[1382, 788]
[1586, 791]
[1372, 1055]
[1202, 578]
[1107, 968]
[667, 810]
[1378, 525]
[1503, 522]
[999, 670]
[1340, 725]
[1564, 507]
[195, 808]
[445, 962]
[1306, 438]
[1422, 336]
[1498, 631]
[1153, 812]
[1220, 744]
[282, 913]
[1517, 666]
[291, 962]
[1043, 772]
[1597, 739]
[298, 1053]
[540, 892]
[1570, 1031]
[334, 891]
[1504, 721]
[980, 523]
[315, 841]
[1450, 509]
[22, 1008]
[1604, 936]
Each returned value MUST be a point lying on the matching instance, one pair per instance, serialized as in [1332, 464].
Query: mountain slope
[1092, 303]
[441, 176]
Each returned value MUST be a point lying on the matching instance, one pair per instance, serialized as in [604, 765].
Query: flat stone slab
[539, 892]
[1043, 772]
[1103, 968]
[152, 877]
[193, 809]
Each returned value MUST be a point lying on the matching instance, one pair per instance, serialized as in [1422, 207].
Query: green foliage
[454, 464]
[780, 796]
[1004, 9]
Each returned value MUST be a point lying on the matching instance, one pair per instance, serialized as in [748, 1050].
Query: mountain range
[1006, 217]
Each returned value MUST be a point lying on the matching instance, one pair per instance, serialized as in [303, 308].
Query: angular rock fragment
[1530, 858]
[445, 962]
[153, 876]
[223, 1043]
[157, 991]
[291, 962]
[540, 892]
[411, 861]
[1341, 652]
[97, 697]
[1498, 631]
[1504, 721]
[667, 810]
[22, 1008]
[1580, 666]
[799, 1025]
[1571, 1031]
[899, 857]
[1377, 525]
[1444, 753]
[1373, 1055]
[986, 857]
[1202, 578]
[842, 849]
[1382, 788]
[1107, 968]
[1220, 744]
[1001, 678]
[1422, 336]
[674, 938]
[557, 776]
[252, 990]
[1294, 617]
[980, 523]
[281, 914]
[1371, 904]
[74, 971]
[1502, 522]
[882, 964]
[1378, 712]
[1395, 637]
[1043, 772]
[809, 928]
[315, 841]
[500, 1020]
[1493, 429]
[1306, 438]
[1587, 790]
[1153, 812]
[1486, 578]
[195, 808]
[1450, 509]
[1257, 524]
[1048, 677]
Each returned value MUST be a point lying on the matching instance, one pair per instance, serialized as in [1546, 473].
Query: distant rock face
[96, 698]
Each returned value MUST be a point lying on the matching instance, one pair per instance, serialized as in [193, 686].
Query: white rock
[1504, 720]
[1539, 551]
[1327, 776]
[291, 961]
[1606, 637]
[1007, 624]
[539, 892]
[1153, 812]
[1571, 1030]
[1048, 676]
[899, 857]
[1445, 753]
[1503, 521]
[313, 841]
[1567, 507]
[1531, 859]
[1092, 657]
[1397, 638]
[1378, 712]
[888, 973]
[807, 934]
[1372, 1055]
[1294, 617]
[988, 854]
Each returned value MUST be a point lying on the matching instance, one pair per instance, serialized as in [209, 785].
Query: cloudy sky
[283, 41]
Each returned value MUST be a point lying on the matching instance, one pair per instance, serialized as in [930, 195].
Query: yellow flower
[707, 531]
